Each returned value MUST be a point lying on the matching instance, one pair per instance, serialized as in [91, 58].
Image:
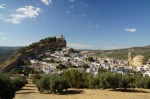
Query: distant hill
[6, 52]
[119, 53]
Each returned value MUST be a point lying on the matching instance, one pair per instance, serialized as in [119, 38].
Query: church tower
[130, 60]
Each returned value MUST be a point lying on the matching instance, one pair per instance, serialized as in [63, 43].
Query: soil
[30, 92]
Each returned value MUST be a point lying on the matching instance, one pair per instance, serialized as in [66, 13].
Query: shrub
[7, 91]
[52, 84]
[9, 86]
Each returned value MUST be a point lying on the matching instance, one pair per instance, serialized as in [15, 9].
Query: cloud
[79, 46]
[68, 12]
[72, 6]
[23, 13]
[86, 5]
[71, 0]
[130, 29]
[96, 25]
[4, 38]
[1, 15]
[89, 24]
[2, 6]
[1, 33]
[46, 2]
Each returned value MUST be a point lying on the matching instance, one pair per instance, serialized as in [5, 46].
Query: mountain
[118, 53]
[6, 52]
[35, 51]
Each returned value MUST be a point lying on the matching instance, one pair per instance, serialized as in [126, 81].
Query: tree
[85, 66]
[52, 84]
[9, 86]
[94, 83]
[90, 59]
[61, 66]
[22, 50]
[76, 79]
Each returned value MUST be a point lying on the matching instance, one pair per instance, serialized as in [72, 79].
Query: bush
[143, 82]
[94, 83]
[76, 79]
[61, 66]
[51, 84]
[9, 86]
[36, 77]
[18, 83]
[7, 91]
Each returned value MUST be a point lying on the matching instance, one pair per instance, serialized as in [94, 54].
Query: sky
[85, 24]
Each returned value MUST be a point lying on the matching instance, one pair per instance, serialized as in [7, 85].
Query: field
[31, 92]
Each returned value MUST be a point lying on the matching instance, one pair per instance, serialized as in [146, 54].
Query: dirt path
[30, 92]
[27, 92]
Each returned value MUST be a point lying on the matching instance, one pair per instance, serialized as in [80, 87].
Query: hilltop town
[54, 58]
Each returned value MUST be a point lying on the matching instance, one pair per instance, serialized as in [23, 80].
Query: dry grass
[30, 92]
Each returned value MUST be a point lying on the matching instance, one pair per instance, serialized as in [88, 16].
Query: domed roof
[139, 57]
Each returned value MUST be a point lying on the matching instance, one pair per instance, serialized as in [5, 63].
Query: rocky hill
[34, 50]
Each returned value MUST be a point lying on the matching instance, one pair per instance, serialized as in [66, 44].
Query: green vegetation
[85, 66]
[25, 70]
[76, 79]
[61, 67]
[104, 80]
[37, 44]
[8, 86]
[90, 59]
[51, 84]
[115, 80]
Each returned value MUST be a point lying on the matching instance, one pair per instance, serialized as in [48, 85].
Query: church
[138, 60]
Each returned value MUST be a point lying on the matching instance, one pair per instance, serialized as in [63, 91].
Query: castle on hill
[61, 42]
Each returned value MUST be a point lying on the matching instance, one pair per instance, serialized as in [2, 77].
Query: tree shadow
[27, 89]
[29, 86]
[71, 92]
[25, 92]
[129, 90]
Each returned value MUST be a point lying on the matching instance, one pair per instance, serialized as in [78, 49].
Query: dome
[139, 58]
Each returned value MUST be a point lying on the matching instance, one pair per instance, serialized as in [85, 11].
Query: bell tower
[130, 60]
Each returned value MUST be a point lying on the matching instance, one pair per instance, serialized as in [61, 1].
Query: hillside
[34, 50]
[118, 53]
[6, 52]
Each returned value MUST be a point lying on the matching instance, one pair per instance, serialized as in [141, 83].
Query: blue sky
[86, 24]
